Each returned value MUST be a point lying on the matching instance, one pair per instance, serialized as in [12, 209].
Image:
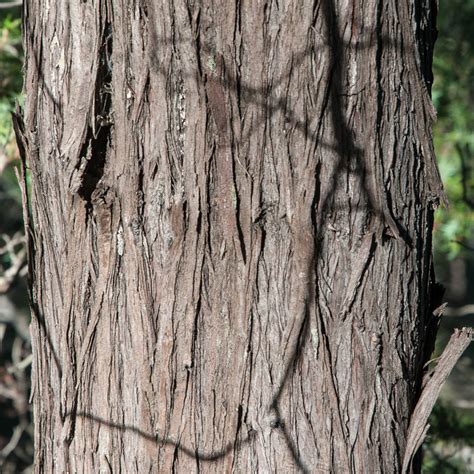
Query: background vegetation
[450, 444]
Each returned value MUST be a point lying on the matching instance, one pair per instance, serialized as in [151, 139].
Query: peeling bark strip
[458, 343]
[230, 233]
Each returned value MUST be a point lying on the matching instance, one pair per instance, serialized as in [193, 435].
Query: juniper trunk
[230, 232]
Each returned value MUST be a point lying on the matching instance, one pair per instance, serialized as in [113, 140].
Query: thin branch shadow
[213, 456]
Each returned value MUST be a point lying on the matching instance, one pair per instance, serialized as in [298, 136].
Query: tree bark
[230, 232]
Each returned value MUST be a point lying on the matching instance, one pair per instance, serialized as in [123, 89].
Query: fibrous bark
[231, 214]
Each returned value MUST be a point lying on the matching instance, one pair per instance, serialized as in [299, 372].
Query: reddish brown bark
[231, 211]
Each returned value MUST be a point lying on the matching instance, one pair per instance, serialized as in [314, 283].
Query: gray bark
[230, 232]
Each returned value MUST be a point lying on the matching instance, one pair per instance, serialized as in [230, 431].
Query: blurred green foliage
[453, 97]
[11, 63]
[11, 60]
[451, 430]
[10, 55]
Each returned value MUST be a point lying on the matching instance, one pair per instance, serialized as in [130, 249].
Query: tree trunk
[230, 232]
